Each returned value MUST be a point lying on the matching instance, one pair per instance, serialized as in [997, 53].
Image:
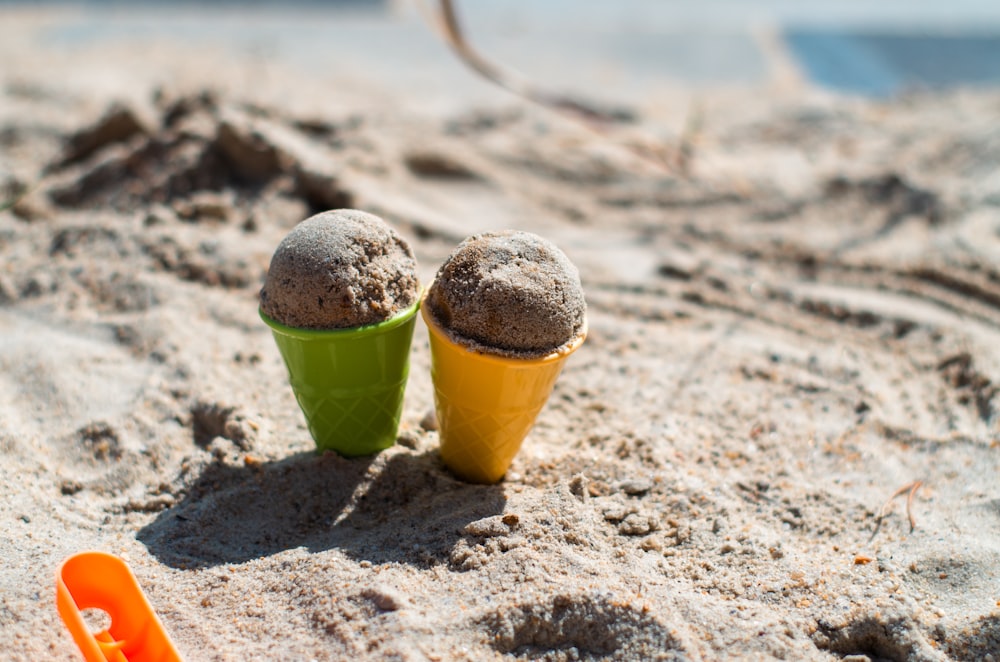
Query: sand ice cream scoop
[504, 312]
[509, 293]
[341, 298]
[340, 269]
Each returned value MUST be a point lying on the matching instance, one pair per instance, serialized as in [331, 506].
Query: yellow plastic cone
[486, 404]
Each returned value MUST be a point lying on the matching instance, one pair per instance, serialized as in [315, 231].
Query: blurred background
[625, 49]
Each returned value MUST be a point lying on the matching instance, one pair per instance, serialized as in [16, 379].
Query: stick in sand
[912, 489]
[507, 79]
[663, 157]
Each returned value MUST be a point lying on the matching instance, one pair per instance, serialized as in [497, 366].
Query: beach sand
[803, 321]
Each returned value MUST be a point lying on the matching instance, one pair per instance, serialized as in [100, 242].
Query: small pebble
[386, 599]
[636, 486]
[430, 421]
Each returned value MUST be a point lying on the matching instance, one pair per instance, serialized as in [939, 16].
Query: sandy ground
[782, 335]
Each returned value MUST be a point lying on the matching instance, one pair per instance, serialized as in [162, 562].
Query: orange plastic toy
[95, 580]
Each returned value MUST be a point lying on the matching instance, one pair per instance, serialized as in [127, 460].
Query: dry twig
[671, 159]
[911, 489]
[456, 39]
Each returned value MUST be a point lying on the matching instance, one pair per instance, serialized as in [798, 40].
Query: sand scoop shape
[96, 580]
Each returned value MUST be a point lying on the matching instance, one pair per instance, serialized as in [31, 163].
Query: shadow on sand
[399, 507]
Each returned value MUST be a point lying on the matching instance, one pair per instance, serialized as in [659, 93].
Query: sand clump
[511, 293]
[340, 269]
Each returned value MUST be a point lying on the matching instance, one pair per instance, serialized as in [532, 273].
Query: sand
[780, 338]
[339, 269]
[509, 293]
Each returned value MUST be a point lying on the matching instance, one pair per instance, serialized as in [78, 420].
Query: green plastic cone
[349, 383]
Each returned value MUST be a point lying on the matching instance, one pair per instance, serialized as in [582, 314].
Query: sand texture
[509, 293]
[339, 269]
[781, 337]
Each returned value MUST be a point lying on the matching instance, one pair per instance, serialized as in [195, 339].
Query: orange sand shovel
[95, 580]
